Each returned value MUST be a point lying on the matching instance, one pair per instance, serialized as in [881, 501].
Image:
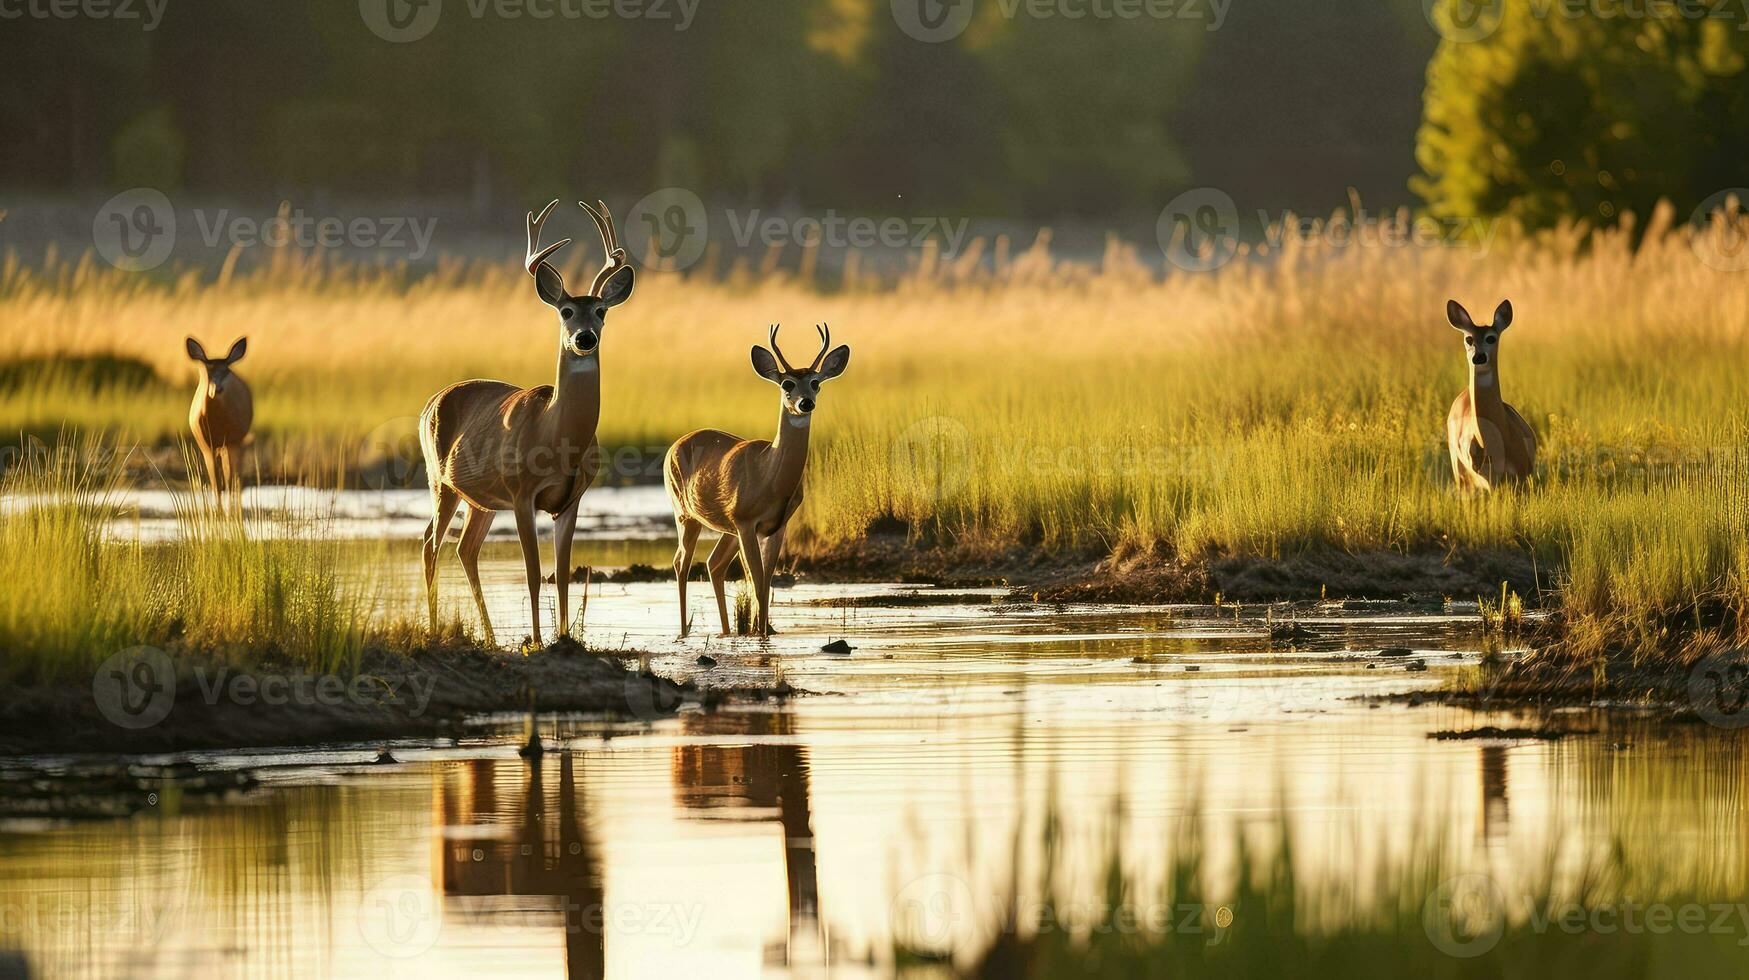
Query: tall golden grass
[219, 587]
[1290, 401]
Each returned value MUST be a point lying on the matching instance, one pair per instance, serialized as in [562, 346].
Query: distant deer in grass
[748, 489]
[221, 415]
[1490, 442]
[500, 447]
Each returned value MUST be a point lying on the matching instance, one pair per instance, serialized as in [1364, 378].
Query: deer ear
[549, 285]
[765, 365]
[1459, 317]
[1503, 315]
[618, 288]
[835, 362]
[195, 351]
[238, 349]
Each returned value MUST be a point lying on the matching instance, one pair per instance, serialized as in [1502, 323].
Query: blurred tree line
[819, 103]
[828, 103]
[1554, 115]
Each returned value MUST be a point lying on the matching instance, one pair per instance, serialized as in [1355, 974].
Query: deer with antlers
[500, 447]
[1490, 443]
[747, 489]
[221, 415]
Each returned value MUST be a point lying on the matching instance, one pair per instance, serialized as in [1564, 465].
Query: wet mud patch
[209, 704]
[100, 790]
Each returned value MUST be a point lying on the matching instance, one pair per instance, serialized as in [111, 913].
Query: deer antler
[616, 255]
[781, 361]
[537, 256]
[825, 333]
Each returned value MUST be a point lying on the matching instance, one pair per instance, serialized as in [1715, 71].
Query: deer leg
[771, 546]
[232, 455]
[212, 468]
[752, 564]
[530, 558]
[718, 565]
[474, 529]
[564, 526]
[689, 531]
[443, 504]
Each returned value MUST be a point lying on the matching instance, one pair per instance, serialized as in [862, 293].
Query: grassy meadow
[1291, 401]
[216, 589]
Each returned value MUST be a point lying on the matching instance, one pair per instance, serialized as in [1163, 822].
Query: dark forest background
[828, 103]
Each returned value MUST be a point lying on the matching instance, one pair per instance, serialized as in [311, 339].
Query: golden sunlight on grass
[1282, 404]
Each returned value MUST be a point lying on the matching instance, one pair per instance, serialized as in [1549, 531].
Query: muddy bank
[150, 702]
[1700, 681]
[1157, 576]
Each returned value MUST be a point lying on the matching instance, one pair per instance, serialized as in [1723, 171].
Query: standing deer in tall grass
[1490, 442]
[221, 415]
[747, 489]
[500, 447]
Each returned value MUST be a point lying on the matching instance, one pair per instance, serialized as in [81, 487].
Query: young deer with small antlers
[747, 489]
[500, 447]
[221, 415]
[1490, 442]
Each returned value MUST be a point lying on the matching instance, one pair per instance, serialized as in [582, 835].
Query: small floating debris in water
[783, 690]
[386, 758]
[1491, 732]
[836, 646]
[1395, 652]
[532, 749]
[1414, 666]
[1192, 668]
[706, 660]
[1290, 633]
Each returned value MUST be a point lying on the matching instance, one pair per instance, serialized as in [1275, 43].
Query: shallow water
[607, 513]
[893, 804]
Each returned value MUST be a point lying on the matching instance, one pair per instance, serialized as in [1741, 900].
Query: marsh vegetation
[1289, 403]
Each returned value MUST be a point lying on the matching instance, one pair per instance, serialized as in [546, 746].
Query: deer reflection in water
[539, 857]
[760, 781]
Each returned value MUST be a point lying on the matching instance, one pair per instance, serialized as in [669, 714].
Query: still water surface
[903, 800]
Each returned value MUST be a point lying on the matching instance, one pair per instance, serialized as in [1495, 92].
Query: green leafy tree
[1558, 114]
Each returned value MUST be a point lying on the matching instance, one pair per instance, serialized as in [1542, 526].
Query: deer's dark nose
[1478, 358]
[806, 404]
[585, 341]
